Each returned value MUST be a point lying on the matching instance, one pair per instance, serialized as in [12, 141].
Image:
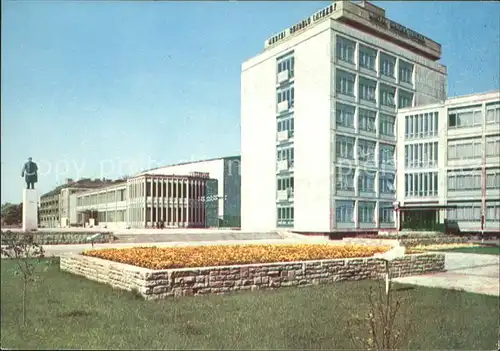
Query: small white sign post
[396, 252]
[94, 237]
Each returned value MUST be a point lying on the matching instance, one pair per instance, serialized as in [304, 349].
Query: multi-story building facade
[55, 205]
[318, 110]
[450, 156]
[152, 200]
[226, 170]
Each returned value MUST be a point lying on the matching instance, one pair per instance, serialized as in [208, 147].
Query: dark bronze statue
[30, 173]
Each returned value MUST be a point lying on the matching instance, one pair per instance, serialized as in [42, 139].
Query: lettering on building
[408, 33]
[397, 28]
[378, 20]
[303, 24]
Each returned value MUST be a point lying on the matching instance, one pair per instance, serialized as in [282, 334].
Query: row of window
[285, 153]
[107, 197]
[344, 212]
[421, 184]
[472, 213]
[472, 148]
[473, 116]
[421, 155]
[111, 216]
[345, 180]
[367, 58]
[366, 150]
[468, 118]
[367, 119]
[472, 180]
[367, 90]
[422, 125]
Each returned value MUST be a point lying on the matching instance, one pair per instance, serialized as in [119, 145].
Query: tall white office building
[318, 110]
[450, 157]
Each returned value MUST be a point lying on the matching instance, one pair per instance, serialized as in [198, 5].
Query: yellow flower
[222, 255]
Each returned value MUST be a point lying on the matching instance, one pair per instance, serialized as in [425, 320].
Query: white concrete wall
[312, 140]
[258, 143]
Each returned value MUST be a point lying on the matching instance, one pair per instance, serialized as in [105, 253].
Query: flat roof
[188, 162]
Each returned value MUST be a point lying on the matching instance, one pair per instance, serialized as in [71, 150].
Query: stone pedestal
[30, 210]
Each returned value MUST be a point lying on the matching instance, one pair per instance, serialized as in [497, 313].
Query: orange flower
[222, 255]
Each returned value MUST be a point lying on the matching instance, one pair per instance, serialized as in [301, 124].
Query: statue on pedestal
[30, 174]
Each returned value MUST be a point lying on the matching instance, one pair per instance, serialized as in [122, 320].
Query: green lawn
[67, 311]
[486, 250]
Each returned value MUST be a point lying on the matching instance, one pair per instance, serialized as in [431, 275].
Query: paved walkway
[56, 250]
[475, 273]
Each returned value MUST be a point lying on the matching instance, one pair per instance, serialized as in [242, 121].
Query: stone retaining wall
[162, 284]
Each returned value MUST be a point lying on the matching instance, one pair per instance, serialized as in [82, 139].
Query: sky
[106, 89]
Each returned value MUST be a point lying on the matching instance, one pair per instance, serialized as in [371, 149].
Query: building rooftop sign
[368, 16]
[319, 15]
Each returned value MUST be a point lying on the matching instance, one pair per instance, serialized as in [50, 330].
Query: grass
[485, 250]
[71, 312]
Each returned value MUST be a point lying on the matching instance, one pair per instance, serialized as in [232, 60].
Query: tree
[27, 255]
[386, 326]
[12, 213]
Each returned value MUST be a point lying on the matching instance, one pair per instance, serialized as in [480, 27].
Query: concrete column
[188, 204]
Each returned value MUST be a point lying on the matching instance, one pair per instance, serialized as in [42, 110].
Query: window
[464, 118]
[344, 211]
[386, 213]
[367, 89]
[464, 181]
[286, 63]
[493, 179]
[285, 215]
[421, 184]
[285, 153]
[405, 99]
[387, 64]
[345, 147]
[367, 57]
[366, 181]
[493, 146]
[493, 113]
[469, 213]
[366, 120]
[345, 115]
[405, 72]
[366, 212]
[345, 49]
[344, 179]
[465, 150]
[345, 83]
[386, 154]
[387, 183]
[492, 212]
[366, 150]
[286, 123]
[387, 124]
[286, 94]
[387, 94]
[285, 183]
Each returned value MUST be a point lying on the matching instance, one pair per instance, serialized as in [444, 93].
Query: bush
[222, 255]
